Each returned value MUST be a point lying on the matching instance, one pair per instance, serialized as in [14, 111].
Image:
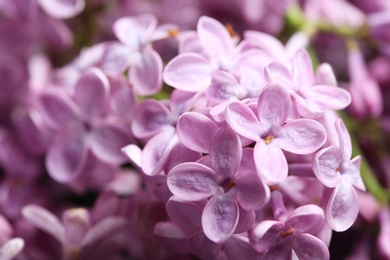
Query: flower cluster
[155, 130]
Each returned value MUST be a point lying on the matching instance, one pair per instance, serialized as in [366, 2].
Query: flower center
[268, 139]
[286, 233]
[227, 184]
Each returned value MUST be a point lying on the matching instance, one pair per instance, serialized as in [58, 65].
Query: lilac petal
[263, 236]
[281, 251]
[332, 97]
[11, 248]
[351, 172]
[203, 247]
[303, 70]
[60, 9]
[271, 164]
[214, 37]
[192, 181]
[91, 92]
[189, 42]
[306, 219]
[225, 151]
[134, 31]
[343, 207]
[274, 106]
[123, 102]
[103, 229]
[76, 221]
[45, 220]
[223, 87]
[220, 217]
[66, 155]
[325, 75]
[134, 153]
[116, 58]
[180, 154]
[157, 150]
[189, 71]
[238, 248]
[344, 139]
[195, 131]
[169, 230]
[246, 220]
[146, 73]
[150, 118]
[243, 120]
[301, 136]
[278, 73]
[107, 141]
[326, 166]
[185, 214]
[58, 108]
[309, 247]
[251, 193]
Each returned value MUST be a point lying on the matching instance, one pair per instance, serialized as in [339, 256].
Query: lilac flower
[290, 233]
[312, 95]
[193, 71]
[81, 125]
[76, 233]
[226, 184]
[272, 132]
[137, 34]
[334, 168]
[62, 9]
[383, 238]
[186, 224]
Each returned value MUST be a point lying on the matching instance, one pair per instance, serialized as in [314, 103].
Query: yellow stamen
[286, 233]
[173, 32]
[229, 28]
[268, 139]
[230, 185]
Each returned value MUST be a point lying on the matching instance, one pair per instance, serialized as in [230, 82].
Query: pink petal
[301, 136]
[103, 229]
[66, 155]
[309, 247]
[60, 9]
[306, 219]
[325, 75]
[180, 154]
[223, 87]
[58, 108]
[271, 164]
[189, 72]
[156, 152]
[11, 248]
[278, 73]
[243, 120]
[214, 37]
[325, 164]
[186, 214]
[169, 230]
[76, 223]
[264, 234]
[303, 70]
[192, 181]
[344, 139]
[251, 193]
[195, 131]
[246, 220]
[274, 106]
[107, 141]
[238, 247]
[135, 31]
[146, 73]
[134, 153]
[220, 217]
[343, 207]
[91, 92]
[45, 220]
[225, 151]
[353, 173]
[332, 97]
[116, 58]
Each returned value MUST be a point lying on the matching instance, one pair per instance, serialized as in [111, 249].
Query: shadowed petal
[246, 220]
[237, 248]
[91, 92]
[271, 163]
[220, 217]
[203, 247]
[195, 131]
[66, 155]
[146, 73]
[309, 247]
[169, 230]
[44, 220]
[186, 214]
[264, 234]
[251, 193]
[189, 72]
[326, 166]
[343, 207]
[76, 221]
[192, 181]
[301, 136]
[103, 229]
